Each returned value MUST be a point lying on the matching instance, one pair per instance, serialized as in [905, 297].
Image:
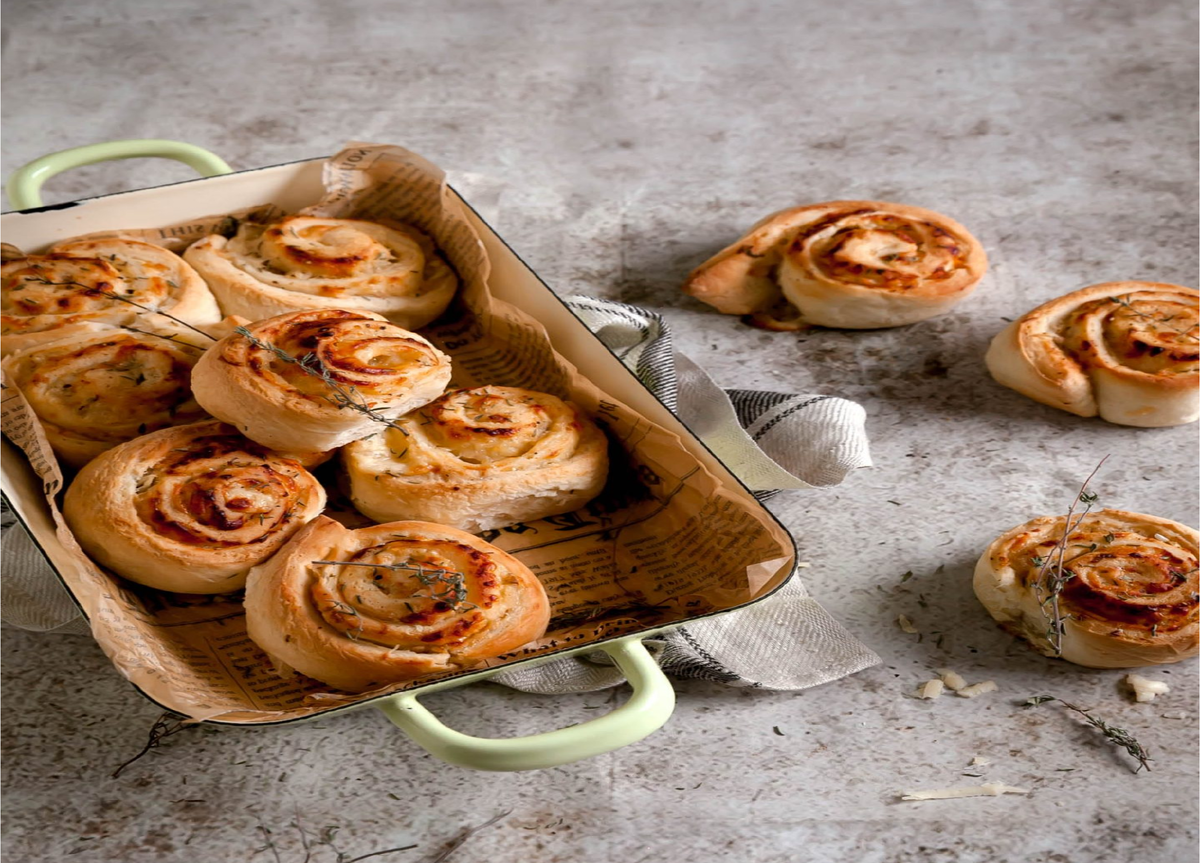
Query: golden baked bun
[306, 262]
[96, 386]
[291, 383]
[69, 285]
[850, 264]
[189, 509]
[1128, 352]
[418, 599]
[478, 459]
[1130, 595]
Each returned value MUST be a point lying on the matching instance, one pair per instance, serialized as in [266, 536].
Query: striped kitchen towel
[772, 441]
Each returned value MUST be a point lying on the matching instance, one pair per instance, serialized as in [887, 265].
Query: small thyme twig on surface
[377, 854]
[1117, 736]
[266, 832]
[308, 844]
[462, 837]
[1052, 574]
[167, 724]
[454, 580]
[312, 366]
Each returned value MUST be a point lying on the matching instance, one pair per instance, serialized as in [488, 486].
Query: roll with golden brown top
[189, 509]
[1128, 352]
[478, 459]
[851, 264]
[306, 262]
[360, 609]
[89, 281]
[311, 381]
[97, 386]
[1128, 592]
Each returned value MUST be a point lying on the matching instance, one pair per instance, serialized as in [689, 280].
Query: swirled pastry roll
[311, 380]
[1128, 352]
[851, 264]
[189, 509]
[478, 459]
[1129, 591]
[75, 282]
[305, 262]
[97, 386]
[359, 609]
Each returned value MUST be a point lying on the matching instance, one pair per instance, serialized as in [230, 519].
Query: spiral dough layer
[310, 381]
[98, 386]
[1128, 352]
[852, 264]
[305, 262]
[360, 609]
[79, 282]
[189, 509]
[480, 458]
[1128, 589]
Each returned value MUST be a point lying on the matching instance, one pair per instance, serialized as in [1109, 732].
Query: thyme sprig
[169, 338]
[1053, 574]
[1121, 301]
[167, 724]
[91, 290]
[311, 365]
[465, 834]
[1117, 736]
[453, 583]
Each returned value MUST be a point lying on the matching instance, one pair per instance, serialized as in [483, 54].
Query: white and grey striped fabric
[32, 597]
[772, 441]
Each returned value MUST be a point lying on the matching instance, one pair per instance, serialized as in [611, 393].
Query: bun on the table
[1128, 595]
[190, 508]
[399, 601]
[307, 262]
[95, 386]
[98, 281]
[1128, 352]
[288, 383]
[851, 264]
[480, 458]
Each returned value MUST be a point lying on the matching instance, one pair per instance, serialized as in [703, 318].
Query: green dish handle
[25, 185]
[645, 712]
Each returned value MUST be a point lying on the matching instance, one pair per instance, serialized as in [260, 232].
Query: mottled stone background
[622, 143]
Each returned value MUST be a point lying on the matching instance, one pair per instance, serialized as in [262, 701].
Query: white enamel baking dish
[292, 186]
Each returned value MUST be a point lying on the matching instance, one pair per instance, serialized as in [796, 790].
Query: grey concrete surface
[627, 141]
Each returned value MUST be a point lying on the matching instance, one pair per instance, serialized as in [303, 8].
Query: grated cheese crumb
[1145, 689]
[906, 625]
[979, 761]
[931, 689]
[952, 679]
[977, 689]
[991, 789]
